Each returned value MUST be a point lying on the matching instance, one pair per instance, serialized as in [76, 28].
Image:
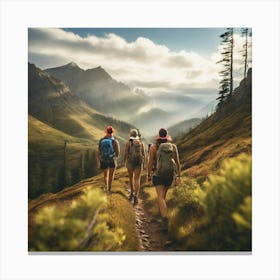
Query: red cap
[110, 130]
[163, 134]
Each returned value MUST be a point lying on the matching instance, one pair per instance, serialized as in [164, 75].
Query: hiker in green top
[108, 152]
[163, 168]
[134, 159]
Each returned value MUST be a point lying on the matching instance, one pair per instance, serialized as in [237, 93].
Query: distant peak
[72, 64]
[99, 71]
[100, 68]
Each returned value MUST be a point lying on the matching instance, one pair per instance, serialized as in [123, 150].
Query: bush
[80, 226]
[228, 205]
[185, 209]
[226, 200]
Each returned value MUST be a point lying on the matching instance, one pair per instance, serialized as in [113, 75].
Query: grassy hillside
[182, 127]
[115, 217]
[226, 133]
[56, 159]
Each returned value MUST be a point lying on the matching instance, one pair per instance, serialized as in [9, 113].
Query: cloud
[140, 64]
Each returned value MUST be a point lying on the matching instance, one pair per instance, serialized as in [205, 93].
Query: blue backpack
[107, 149]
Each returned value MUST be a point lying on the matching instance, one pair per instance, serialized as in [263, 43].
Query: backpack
[166, 166]
[135, 152]
[107, 149]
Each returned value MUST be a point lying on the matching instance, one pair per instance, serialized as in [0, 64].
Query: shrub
[80, 226]
[216, 216]
[185, 209]
[227, 204]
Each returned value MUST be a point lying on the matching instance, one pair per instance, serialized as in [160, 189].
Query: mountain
[97, 88]
[52, 102]
[183, 127]
[154, 118]
[63, 134]
[113, 98]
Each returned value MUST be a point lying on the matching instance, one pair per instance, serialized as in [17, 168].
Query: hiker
[134, 159]
[108, 152]
[163, 168]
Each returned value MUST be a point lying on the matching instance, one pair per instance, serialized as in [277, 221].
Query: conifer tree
[226, 84]
[245, 33]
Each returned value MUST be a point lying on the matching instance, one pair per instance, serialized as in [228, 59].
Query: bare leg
[161, 194]
[111, 177]
[136, 180]
[130, 176]
[105, 172]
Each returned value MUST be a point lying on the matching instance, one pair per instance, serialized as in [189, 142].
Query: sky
[155, 60]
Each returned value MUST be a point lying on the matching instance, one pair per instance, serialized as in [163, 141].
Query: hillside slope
[56, 159]
[226, 133]
[63, 134]
[183, 127]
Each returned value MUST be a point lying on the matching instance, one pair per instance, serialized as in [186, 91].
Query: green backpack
[166, 166]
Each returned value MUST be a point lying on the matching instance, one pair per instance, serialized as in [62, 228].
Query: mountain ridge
[114, 98]
[96, 87]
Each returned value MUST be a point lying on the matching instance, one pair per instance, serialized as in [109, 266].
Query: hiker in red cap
[108, 152]
[163, 168]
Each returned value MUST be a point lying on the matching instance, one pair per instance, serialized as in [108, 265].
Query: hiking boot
[164, 225]
[109, 189]
[135, 200]
[131, 196]
[164, 222]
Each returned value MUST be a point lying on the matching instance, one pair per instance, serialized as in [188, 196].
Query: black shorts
[158, 181]
[108, 164]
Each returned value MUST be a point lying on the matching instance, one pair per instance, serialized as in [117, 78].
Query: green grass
[47, 156]
[119, 211]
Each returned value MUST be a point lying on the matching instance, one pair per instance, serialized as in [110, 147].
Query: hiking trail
[151, 236]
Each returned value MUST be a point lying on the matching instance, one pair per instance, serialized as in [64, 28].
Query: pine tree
[245, 33]
[226, 84]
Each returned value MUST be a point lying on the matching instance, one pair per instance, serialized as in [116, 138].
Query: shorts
[108, 164]
[132, 167]
[158, 181]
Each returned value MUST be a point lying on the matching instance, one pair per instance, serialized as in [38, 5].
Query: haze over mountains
[148, 112]
[100, 90]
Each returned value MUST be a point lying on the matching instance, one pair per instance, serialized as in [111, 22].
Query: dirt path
[151, 236]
